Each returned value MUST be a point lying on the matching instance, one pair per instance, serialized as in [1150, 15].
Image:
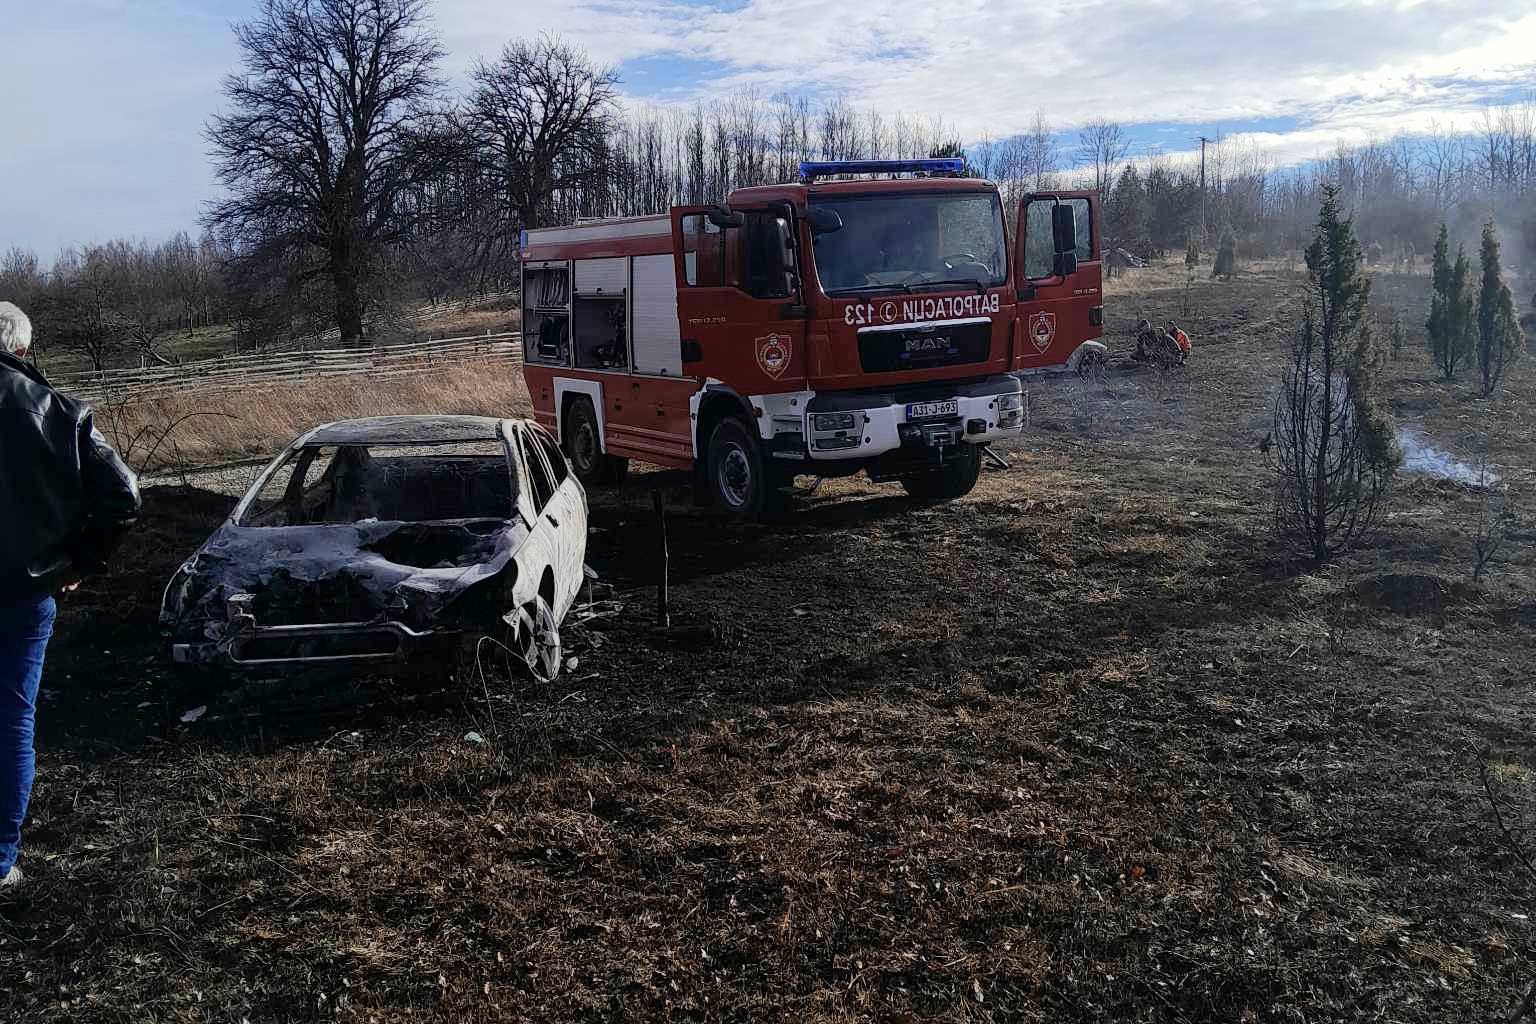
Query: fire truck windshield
[912, 241]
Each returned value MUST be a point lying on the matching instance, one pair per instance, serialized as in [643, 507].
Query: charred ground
[1086, 745]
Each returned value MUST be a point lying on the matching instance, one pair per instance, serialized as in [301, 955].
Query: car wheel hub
[538, 640]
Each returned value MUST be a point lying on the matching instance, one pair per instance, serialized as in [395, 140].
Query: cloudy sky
[103, 101]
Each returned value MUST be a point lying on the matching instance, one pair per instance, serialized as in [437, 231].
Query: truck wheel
[954, 480]
[583, 447]
[740, 478]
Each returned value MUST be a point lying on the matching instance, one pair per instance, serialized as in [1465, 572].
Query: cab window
[758, 257]
[1040, 248]
[767, 256]
[703, 252]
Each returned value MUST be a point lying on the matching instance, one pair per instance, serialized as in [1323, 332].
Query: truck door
[739, 298]
[1057, 271]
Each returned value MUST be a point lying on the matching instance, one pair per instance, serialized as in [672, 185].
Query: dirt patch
[1413, 593]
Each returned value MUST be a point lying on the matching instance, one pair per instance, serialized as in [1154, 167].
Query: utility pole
[1203, 141]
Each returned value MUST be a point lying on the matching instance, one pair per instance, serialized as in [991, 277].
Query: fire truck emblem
[773, 354]
[1042, 329]
[888, 312]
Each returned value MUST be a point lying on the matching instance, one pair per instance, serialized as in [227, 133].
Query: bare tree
[320, 141]
[1041, 156]
[20, 277]
[839, 130]
[538, 122]
[1443, 156]
[81, 307]
[1102, 145]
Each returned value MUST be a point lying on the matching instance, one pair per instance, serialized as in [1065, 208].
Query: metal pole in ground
[663, 616]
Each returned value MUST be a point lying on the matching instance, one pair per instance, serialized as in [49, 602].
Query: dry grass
[255, 423]
[470, 321]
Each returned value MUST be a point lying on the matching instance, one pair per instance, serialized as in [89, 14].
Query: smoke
[1419, 457]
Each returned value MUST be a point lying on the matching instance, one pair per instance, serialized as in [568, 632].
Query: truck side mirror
[1064, 228]
[722, 217]
[823, 221]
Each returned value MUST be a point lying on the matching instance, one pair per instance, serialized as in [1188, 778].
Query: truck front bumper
[865, 425]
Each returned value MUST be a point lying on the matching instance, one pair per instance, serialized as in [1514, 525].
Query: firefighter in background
[1159, 346]
[1180, 339]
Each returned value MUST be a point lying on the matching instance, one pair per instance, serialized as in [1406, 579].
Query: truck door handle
[692, 350]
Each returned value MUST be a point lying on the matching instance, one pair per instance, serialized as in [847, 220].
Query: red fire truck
[826, 327]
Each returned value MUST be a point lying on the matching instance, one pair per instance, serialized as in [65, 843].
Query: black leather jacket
[65, 496]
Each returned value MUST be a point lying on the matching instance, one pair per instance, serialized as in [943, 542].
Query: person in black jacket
[65, 500]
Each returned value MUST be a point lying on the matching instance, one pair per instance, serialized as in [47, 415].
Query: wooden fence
[246, 372]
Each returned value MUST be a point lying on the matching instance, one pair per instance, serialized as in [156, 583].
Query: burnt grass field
[1087, 745]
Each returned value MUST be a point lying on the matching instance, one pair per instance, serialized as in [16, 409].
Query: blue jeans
[25, 626]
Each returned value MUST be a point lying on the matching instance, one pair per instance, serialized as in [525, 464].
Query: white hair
[15, 330]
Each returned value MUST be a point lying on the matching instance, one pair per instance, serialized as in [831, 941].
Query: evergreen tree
[950, 150]
[1463, 308]
[1336, 449]
[1127, 212]
[1449, 335]
[1498, 331]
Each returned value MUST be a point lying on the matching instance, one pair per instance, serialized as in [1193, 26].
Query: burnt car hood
[356, 572]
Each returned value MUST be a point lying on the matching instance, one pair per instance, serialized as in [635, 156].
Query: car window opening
[351, 483]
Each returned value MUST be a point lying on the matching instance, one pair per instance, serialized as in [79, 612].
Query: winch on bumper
[922, 421]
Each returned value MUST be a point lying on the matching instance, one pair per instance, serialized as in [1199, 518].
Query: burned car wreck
[395, 539]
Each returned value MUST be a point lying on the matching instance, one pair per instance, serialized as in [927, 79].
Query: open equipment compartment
[547, 312]
[600, 314]
[601, 332]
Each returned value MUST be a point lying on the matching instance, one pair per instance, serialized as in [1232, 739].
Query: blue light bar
[810, 170]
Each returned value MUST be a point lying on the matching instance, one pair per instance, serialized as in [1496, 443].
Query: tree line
[356, 183]
[121, 299]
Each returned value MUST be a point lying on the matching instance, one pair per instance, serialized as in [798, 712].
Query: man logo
[936, 343]
[773, 353]
[1042, 329]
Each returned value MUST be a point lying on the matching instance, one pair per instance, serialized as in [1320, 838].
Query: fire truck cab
[821, 327]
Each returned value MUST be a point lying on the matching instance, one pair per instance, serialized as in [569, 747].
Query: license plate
[928, 410]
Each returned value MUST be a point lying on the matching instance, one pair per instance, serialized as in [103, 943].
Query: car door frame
[550, 525]
[571, 528]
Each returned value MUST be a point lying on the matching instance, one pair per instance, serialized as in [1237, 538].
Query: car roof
[407, 430]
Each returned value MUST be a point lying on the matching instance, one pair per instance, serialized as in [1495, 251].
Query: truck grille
[918, 348]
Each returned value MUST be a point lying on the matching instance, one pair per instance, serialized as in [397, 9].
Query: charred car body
[389, 539]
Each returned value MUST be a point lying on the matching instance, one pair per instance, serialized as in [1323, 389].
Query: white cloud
[985, 66]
